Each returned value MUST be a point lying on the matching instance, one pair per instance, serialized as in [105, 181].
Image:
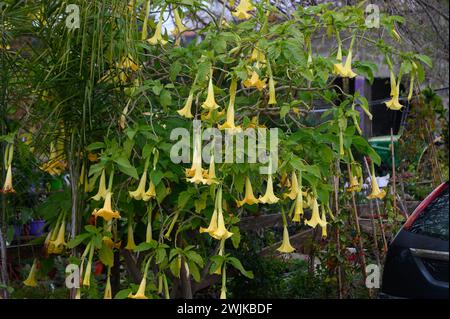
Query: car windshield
[433, 221]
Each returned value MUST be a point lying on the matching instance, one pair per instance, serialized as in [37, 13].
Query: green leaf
[194, 271]
[78, 240]
[91, 229]
[175, 267]
[160, 255]
[165, 98]
[194, 256]
[123, 294]
[425, 59]
[237, 264]
[126, 168]
[106, 255]
[146, 246]
[95, 146]
[285, 108]
[183, 199]
[236, 238]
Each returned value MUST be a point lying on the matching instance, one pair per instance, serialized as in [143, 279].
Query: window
[433, 221]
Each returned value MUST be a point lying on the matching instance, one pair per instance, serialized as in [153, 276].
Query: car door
[417, 261]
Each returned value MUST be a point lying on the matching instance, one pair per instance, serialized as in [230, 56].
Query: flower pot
[37, 228]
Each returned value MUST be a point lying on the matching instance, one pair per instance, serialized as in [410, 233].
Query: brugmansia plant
[105, 96]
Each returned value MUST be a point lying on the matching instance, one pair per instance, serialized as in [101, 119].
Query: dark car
[417, 260]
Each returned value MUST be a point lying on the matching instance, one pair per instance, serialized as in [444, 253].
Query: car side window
[433, 221]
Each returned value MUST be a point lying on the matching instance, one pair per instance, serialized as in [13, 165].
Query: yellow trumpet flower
[324, 221]
[249, 198]
[394, 103]
[269, 197]
[31, 279]
[157, 37]
[108, 290]
[376, 192]
[130, 237]
[151, 192]
[211, 178]
[221, 250]
[212, 224]
[243, 9]
[348, 72]
[110, 243]
[221, 232]
[128, 63]
[197, 164]
[186, 110]
[106, 212]
[254, 81]
[338, 68]
[354, 184]
[101, 194]
[210, 102]
[345, 70]
[179, 27]
[315, 217]
[60, 243]
[139, 193]
[285, 247]
[8, 186]
[294, 190]
[229, 123]
[298, 203]
[87, 274]
[140, 294]
[223, 289]
[272, 97]
[258, 56]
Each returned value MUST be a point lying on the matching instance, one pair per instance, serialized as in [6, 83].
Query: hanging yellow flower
[257, 56]
[87, 274]
[249, 198]
[354, 184]
[140, 294]
[269, 197]
[324, 223]
[139, 193]
[294, 188]
[101, 194]
[229, 123]
[243, 9]
[255, 81]
[157, 37]
[272, 97]
[197, 169]
[376, 192]
[130, 237]
[179, 27]
[345, 70]
[210, 102]
[151, 192]
[60, 243]
[31, 279]
[186, 110]
[108, 290]
[298, 211]
[285, 247]
[217, 228]
[106, 212]
[8, 186]
[315, 217]
[211, 176]
[394, 103]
